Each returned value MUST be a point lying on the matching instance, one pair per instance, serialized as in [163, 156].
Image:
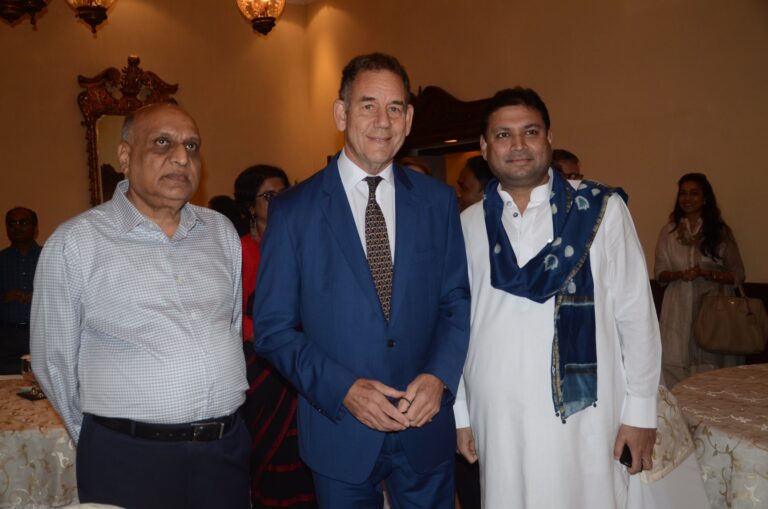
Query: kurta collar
[539, 194]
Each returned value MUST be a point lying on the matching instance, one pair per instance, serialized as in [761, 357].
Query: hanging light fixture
[32, 7]
[261, 13]
[93, 12]
[11, 10]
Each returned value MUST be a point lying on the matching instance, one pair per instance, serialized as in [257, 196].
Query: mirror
[108, 97]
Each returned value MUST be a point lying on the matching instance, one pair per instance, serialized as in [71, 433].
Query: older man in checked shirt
[136, 331]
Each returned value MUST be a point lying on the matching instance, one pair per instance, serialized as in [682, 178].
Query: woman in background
[278, 476]
[696, 254]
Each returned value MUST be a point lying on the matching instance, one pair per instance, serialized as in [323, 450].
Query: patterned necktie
[377, 244]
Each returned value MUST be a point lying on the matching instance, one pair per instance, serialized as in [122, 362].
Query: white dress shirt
[352, 178]
[129, 323]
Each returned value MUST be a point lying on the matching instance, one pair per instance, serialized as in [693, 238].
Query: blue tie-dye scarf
[561, 270]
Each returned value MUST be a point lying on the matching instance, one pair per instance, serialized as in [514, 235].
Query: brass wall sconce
[93, 12]
[261, 13]
[12, 10]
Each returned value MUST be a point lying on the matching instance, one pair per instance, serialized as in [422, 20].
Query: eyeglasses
[267, 195]
[20, 222]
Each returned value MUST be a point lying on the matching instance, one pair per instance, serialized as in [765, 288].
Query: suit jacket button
[391, 343]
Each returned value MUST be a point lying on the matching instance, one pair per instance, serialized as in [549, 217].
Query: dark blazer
[318, 319]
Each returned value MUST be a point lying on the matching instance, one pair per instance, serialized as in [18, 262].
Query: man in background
[470, 186]
[566, 163]
[362, 303]
[17, 273]
[136, 331]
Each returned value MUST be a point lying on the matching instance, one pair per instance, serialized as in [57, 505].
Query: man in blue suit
[374, 343]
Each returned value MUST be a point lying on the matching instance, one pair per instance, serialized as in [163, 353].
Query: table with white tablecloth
[37, 457]
[727, 412]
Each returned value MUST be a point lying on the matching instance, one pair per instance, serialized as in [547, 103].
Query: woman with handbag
[696, 255]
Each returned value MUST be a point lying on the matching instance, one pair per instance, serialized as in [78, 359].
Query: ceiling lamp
[11, 10]
[32, 7]
[261, 13]
[93, 12]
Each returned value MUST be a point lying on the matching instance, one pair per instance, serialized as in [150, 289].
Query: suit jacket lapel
[335, 207]
[406, 220]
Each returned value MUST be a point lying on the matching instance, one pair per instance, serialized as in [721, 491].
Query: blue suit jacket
[318, 319]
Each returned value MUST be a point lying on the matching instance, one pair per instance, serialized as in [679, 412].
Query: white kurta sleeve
[460, 408]
[635, 315]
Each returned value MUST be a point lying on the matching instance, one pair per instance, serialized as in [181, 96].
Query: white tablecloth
[727, 411]
[37, 458]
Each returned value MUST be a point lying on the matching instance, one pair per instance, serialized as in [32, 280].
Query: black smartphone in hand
[626, 457]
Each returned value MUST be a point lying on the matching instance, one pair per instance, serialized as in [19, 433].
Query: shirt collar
[129, 217]
[542, 193]
[539, 194]
[351, 174]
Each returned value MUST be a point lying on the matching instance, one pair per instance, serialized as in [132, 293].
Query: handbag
[735, 325]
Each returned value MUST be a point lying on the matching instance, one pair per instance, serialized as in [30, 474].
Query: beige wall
[641, 90]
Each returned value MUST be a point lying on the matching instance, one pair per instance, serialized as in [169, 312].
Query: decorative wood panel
[115, 92]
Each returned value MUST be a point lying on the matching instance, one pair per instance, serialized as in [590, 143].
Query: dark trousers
[14, 342]
[468, 483]
[406, 488]
[135, 473]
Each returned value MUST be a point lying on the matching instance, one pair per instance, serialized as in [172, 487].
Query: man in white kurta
[528, 457]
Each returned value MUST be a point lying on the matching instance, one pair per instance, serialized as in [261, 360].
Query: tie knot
[373, 182]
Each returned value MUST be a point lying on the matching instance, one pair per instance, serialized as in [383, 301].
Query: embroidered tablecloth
[37, 458]
[673, 440]
[727, 411]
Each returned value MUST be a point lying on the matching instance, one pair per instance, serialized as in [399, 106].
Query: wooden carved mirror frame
[115, 92]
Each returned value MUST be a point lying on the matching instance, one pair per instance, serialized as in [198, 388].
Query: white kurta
[528, 457]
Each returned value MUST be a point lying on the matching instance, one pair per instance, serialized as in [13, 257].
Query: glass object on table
[34, 392]
[26, 370]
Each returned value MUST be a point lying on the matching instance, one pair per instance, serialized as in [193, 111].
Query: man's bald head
[160, 157]
[126, 133]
